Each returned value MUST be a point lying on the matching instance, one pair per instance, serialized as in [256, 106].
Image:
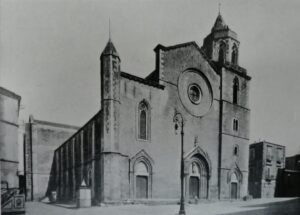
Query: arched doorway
[194, 181]
[234, 186]
[141, 180]
[197, 179]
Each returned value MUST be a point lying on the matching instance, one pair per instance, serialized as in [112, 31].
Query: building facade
[41, 138]
[266, 160]
[129, 149]
[9, 115]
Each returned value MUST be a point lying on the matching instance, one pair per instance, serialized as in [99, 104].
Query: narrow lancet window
[222, 52]
[235, 90]
[234, 55]
[143, 126]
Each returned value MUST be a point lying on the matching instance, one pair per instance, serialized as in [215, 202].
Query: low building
[265, 160]
[9, 115]
[289, 185]
[40, 141]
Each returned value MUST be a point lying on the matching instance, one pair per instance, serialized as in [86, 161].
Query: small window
[236, 150]
[269, 153]
[268, 173]
[235, 125]
[235, 90]
[279, 156]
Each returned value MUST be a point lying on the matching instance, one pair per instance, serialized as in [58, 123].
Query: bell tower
[222, 44]
[111, 158]
[110, 96]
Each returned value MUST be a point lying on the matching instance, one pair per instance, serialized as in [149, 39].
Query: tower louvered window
[222, 51]
[235, 90]
[234, 55]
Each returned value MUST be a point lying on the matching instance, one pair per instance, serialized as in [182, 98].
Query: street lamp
[179, 122]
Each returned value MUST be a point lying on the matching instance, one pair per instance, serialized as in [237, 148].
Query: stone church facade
[129, 149]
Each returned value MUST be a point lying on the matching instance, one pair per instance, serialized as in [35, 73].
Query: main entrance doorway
[197, 179]
[194, 187]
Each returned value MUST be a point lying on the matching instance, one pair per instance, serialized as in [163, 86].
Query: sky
[49, 53]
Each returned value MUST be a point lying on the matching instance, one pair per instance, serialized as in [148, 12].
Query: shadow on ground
[288, 207]
[74, 207]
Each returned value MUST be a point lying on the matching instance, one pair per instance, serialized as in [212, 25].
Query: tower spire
[109, 30]
[219, 8]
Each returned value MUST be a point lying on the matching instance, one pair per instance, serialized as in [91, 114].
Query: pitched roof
[142, 80]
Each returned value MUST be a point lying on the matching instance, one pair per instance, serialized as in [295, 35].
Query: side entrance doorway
[234, 184]
[141, 187]
[141, 180]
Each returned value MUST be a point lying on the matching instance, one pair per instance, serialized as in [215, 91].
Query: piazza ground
[275, 206]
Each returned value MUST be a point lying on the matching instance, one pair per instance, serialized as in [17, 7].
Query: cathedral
[130, 150]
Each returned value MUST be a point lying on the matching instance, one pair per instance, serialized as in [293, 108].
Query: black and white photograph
[131, 107]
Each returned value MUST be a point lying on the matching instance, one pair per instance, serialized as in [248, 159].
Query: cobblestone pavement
[278, 206]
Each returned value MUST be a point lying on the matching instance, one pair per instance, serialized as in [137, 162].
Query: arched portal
[140, 175]
[197, 178]
[234, 184]
[142, 180]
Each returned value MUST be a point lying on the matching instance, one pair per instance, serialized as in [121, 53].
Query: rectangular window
[269, 153]
[279, 156]
[267, 173]
[235, 125]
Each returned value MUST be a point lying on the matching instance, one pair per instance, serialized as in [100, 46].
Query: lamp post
[179, 122]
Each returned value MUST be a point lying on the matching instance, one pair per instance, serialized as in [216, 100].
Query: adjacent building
[289, 185]
[41, 138]
[9, 115]
[265, 161]
[129, 149]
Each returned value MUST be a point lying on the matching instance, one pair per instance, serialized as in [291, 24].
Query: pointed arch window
[222, 51]
[234, 54]
[235, 125]
[235, 90]
[143, 121]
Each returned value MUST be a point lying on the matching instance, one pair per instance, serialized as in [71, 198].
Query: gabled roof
[9, 93]
[142, 80]
[192, 43]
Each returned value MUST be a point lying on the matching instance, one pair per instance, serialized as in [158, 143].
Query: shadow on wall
[288, 207]
[279, 188]
[52, 183]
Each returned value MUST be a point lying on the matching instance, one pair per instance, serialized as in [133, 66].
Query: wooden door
[194, 187]
[141, 187]
[233, 190]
